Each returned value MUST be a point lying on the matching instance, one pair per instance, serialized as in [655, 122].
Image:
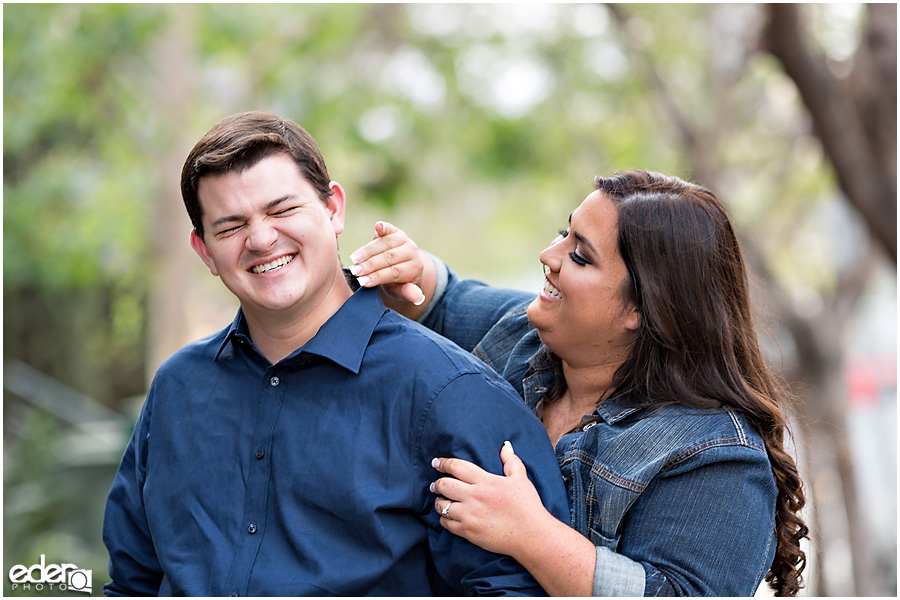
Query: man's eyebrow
[580, 237]
[239, 217]
[228, 219]
[277, 201]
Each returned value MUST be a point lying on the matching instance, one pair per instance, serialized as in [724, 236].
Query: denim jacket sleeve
[704, 527]
[464, 310]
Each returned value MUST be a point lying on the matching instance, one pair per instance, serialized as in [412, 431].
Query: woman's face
[580, 312]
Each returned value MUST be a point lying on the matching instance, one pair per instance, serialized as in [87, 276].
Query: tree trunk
[856, 142]
[185, 303]
[831, 478]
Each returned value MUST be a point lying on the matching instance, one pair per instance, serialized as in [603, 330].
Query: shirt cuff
[617, 575]
[440, 285]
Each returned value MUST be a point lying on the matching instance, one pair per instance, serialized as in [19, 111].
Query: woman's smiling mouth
[551, 291]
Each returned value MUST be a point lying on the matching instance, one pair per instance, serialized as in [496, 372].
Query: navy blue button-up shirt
[310, 477]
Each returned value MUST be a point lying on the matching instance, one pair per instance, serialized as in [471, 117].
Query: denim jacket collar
[539, 379]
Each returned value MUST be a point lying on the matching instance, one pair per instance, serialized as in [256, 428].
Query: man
[290, 453]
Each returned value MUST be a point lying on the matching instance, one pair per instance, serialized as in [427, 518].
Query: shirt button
[260, 453]
[274, 382]
[234, 594]
[251, 529]
[588, 426]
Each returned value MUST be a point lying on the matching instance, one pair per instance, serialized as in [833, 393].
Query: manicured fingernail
[435, 462]
[419, 303]
[354, 258]
[431, 487]
[364, 280]
[355, 269]
[509, 444]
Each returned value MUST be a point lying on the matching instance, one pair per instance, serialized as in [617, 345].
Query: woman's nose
[550, 256]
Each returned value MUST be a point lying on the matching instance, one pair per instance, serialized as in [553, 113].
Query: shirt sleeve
[470, 418]
[675, 544]
[133, 566]
[464, 310]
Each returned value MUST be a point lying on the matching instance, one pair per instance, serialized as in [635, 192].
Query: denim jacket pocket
[598, 539]
[604, 518]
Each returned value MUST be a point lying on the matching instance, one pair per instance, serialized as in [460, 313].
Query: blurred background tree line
[476, 129]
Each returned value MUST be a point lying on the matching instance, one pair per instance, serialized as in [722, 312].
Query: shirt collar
[236, 333]
[343, 338]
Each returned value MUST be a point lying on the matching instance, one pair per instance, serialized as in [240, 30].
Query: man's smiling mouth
[271, 266]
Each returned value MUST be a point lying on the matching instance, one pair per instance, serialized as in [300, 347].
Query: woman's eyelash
[577, 259]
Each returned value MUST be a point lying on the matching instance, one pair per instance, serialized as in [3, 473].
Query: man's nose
[261, 236]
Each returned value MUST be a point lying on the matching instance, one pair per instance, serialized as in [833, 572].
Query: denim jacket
[677, 501]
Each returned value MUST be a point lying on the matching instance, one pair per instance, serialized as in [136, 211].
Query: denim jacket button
[588, 426]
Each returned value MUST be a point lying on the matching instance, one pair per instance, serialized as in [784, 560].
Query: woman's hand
[491, 511]
[393, 261]
[505, 515]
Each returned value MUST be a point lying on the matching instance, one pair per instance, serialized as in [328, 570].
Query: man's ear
[202, 251]
[336, 205]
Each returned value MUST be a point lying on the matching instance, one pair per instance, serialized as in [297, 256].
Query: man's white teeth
[278, 262]
[551, 291]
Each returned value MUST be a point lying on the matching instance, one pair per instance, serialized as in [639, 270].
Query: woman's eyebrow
[580, 237]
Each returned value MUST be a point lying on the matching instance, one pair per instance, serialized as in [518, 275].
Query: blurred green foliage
[476, 128]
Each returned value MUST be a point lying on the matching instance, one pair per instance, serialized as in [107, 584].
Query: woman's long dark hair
[697, 345]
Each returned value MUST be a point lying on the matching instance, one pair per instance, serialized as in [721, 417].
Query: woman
[641, 359]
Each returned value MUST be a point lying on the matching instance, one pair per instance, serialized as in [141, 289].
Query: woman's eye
[578, 259]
